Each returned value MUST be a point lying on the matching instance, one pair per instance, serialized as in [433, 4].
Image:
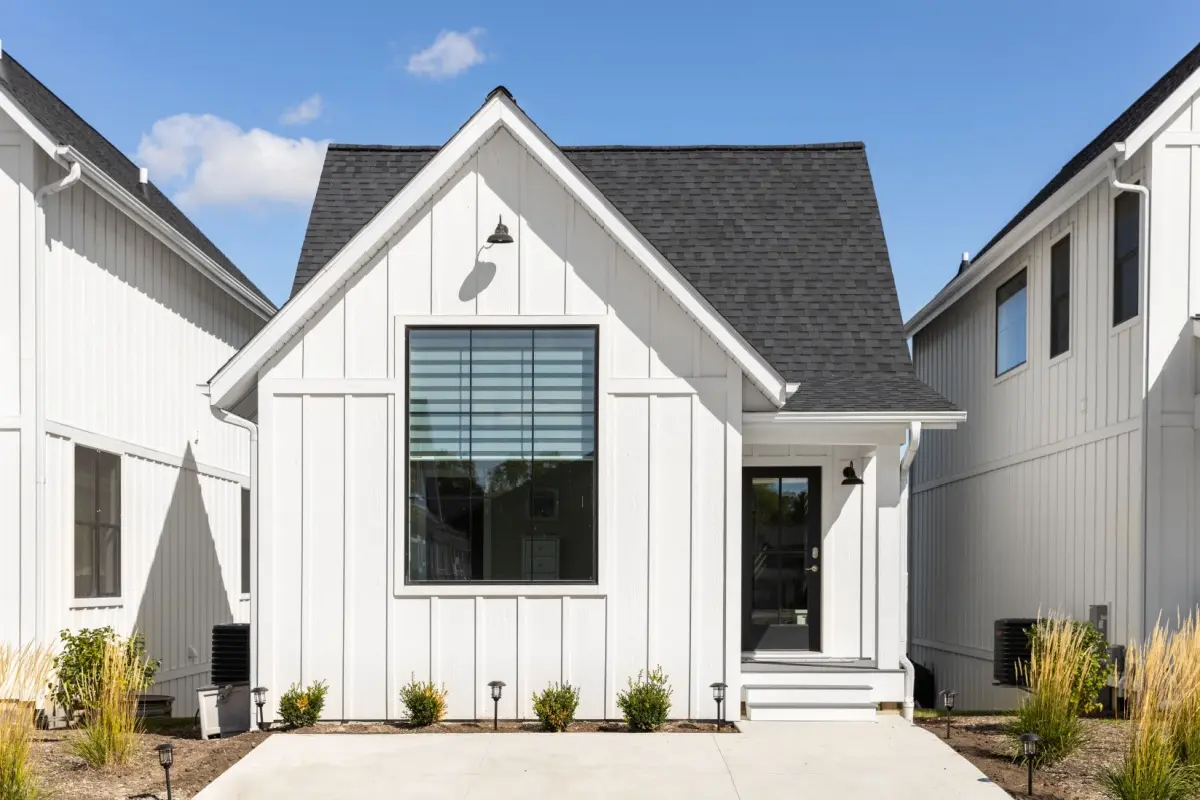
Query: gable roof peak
[499, 90]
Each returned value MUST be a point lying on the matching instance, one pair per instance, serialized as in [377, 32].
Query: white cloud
[212, 161]
[451, 53]
[307, 111]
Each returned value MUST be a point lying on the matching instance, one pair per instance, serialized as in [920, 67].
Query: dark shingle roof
[785, 242]
[1117, 131]
[64, 125]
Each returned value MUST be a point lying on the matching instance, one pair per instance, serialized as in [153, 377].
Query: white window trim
[604, 567]
[108, 601]
[995, 320]
[1072, 266]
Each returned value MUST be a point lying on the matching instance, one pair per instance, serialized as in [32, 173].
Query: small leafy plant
[424, 702]
[555, 706]
[81, 661]
[647, 701]
[301, 708]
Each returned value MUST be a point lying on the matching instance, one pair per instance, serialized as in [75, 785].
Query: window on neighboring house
[1010, 324]
[245, 541]
[97, 523]
[502, 454]
[1126, 232]
[1060, 296]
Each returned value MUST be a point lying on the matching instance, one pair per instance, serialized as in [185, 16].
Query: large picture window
[502, 454]
[97, 523]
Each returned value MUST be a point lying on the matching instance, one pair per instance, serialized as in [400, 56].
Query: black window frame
[245, 541]
[1021, 275]
[1126, 263]
[1060, 297]
[95, 525]
[596, 459]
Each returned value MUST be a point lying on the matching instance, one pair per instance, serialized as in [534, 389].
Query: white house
[1070, 341]
[121, 496]
[608, 433]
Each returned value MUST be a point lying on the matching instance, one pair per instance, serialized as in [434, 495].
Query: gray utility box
[224, 709]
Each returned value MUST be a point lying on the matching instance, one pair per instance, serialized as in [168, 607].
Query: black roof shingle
[68, 128]
[785, 242]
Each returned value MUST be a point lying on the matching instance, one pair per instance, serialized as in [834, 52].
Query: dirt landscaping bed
[983, 742]
[509, 726]
[65, 776]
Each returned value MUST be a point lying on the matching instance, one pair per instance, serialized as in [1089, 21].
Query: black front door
[781, 558]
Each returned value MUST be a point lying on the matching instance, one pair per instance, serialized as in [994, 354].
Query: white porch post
[890, 604]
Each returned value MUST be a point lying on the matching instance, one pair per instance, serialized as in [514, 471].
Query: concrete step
[811, 712]
[833, 694]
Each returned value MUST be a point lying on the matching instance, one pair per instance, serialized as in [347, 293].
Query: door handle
[813, 568]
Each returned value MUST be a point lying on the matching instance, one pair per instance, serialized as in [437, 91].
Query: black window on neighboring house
[1126, 234]
[97, 523]
[1060, 296]
[502, 454]
[1011, 313]
[245, 541]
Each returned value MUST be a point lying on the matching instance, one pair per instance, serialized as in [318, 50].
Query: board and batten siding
[132, 331]
[334, 604]
[1034, 504]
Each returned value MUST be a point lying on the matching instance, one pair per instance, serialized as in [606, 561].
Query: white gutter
[39, 379]
[910, 673]
[128, 202]
[1144, 299]
[245, 424]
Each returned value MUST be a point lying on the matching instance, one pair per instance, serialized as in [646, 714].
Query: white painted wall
[1035, 502]
[131, 331]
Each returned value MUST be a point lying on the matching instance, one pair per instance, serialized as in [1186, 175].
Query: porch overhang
[842, 428]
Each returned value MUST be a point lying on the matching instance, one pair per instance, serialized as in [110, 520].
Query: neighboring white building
[121, 496]
[617, 440]
[1040, 501]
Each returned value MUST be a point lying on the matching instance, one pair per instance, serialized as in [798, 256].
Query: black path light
[497, 688]
[501, 234]
[260, 700]
[948, 701]
[1029, 744]
[166, 756]
[719, 695]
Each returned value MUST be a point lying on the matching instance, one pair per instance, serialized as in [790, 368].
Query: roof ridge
[426, 148]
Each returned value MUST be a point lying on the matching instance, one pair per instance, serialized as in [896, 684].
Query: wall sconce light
[850, 477]
[497, 688]
[500, 235]
[719, 695]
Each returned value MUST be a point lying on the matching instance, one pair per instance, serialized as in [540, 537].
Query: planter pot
[155, 705]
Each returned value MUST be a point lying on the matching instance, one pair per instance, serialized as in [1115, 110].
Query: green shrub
[81, 662]
[555, 706]
[424, 702]
[301, 708]
[646, 702]
[1060, 664]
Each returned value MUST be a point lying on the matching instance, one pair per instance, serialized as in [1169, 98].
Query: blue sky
[967, 108]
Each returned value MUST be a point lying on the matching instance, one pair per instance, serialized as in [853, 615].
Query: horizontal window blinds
[500, 394]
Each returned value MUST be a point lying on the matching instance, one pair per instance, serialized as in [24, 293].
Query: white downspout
[40, 248]
[910, 673]
[241, 422]
[1144, 299]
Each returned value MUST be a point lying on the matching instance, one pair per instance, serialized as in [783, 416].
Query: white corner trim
[233, 378]
[1067, 196]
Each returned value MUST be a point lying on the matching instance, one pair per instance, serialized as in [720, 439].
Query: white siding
[1035, 502]
[661, 594]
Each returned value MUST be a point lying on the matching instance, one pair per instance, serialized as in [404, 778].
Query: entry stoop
[824, 691]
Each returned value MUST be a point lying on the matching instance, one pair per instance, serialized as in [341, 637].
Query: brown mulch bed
[197, 763]
[509, 726]
[983, 742]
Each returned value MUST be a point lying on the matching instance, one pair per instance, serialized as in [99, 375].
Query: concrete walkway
[883, 759]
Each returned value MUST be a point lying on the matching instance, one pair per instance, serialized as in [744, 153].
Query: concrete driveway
[884, 759]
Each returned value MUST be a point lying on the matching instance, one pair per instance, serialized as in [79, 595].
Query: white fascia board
[1162, 115]
[937, 420]
[235, 377]
[1014, 240]
[119, 196]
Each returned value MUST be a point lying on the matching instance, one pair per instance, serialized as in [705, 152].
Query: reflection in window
[97, 523]
[502, 454]
[1010, 324]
